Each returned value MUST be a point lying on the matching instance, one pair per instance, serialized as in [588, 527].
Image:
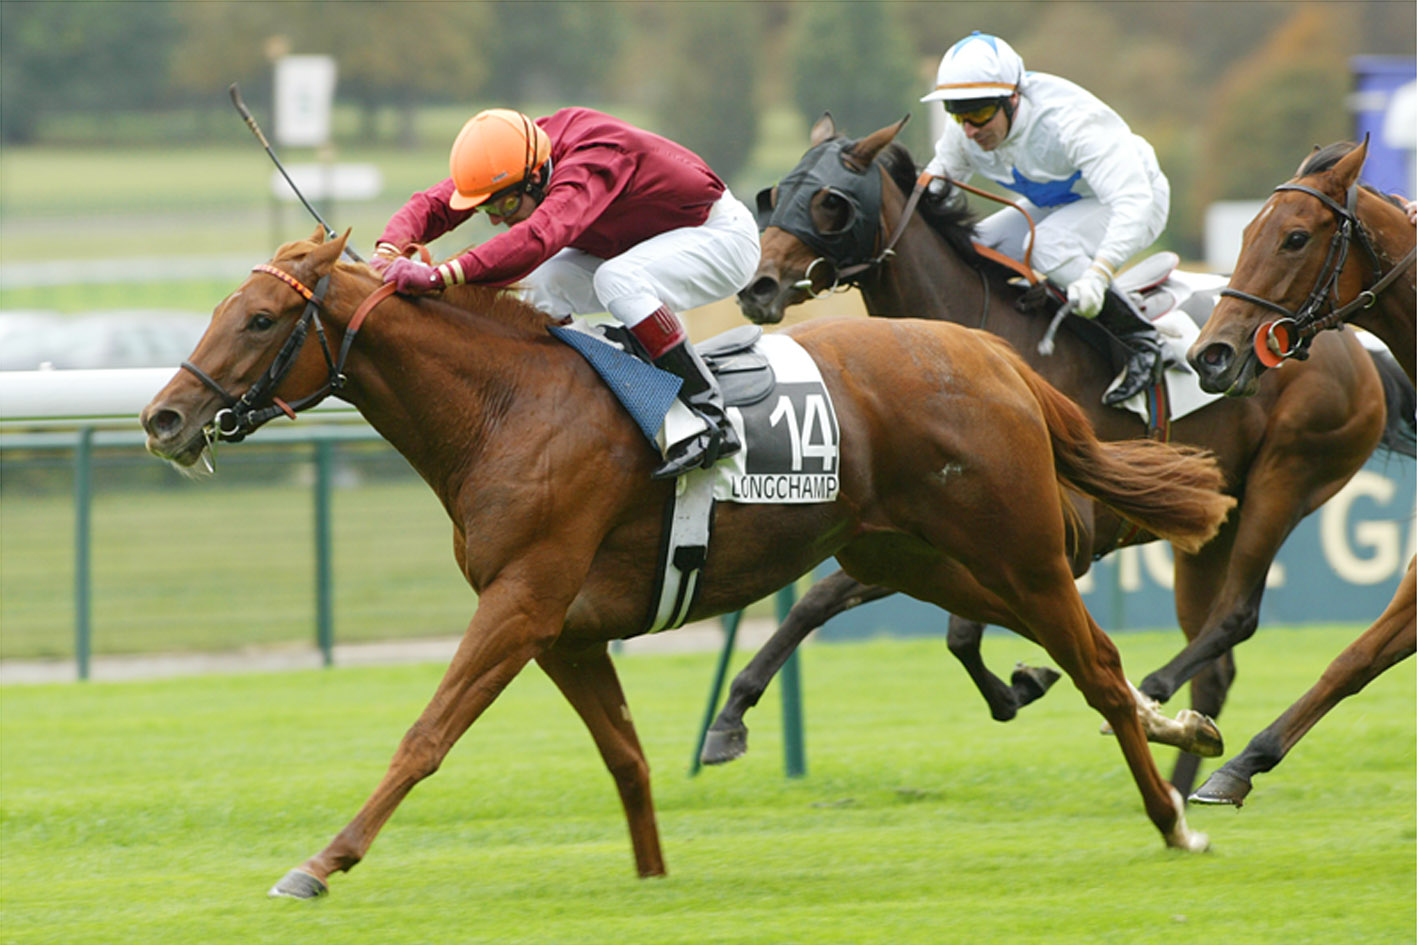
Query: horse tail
[1400, 430]
[1170, 490]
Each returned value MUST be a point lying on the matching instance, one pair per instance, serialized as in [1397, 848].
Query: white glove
[937, 187]
[1086, 294]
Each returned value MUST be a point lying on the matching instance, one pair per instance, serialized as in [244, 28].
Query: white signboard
[1225, 222]
[329, 181]
[304, 98]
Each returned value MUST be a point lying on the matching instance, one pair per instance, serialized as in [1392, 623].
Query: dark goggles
[974, 111]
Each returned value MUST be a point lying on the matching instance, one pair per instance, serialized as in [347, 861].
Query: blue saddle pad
[645, 390]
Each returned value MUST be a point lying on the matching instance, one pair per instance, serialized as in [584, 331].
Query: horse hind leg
[1088, 656]
[1026, 684]
[727, 737]
[1092, 660]
[1042, 604]
[587, 678]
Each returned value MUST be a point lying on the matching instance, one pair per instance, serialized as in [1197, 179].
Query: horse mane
[1323, 159]
[488, 304]
[951, 219]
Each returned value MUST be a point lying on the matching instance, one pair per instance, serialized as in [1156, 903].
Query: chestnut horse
[1284, 452]
[1297, 262]
[954, 483]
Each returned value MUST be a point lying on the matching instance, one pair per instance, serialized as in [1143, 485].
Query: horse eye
[260, 322]
[1296, 240]
[833, 213]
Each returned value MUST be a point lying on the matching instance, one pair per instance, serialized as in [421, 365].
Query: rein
[887, 251]
[1289, 336]
[242, 416]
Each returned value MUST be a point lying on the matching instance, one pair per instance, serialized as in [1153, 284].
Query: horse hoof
[1222, 787]
[724, 745]
[1192, 842]
[298, 884]
[1029, 683]
[1203, 734]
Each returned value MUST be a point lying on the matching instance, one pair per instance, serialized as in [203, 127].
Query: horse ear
[322, 258]
[823, 130]
[319, 235]
[1346, 171]
[864, 151]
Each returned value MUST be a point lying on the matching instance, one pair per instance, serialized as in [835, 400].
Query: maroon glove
[413, 278]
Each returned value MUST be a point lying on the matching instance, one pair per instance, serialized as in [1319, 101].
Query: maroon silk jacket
[612, 186]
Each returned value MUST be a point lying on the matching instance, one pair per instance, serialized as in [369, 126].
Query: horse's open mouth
[183, 449]
[1247, 378]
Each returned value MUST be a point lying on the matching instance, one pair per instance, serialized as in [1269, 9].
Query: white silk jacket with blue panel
[1064, 145]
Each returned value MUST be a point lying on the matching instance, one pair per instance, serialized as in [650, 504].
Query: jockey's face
[992, 133]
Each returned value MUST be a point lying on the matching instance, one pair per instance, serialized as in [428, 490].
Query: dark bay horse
[1322, 252]
[1284, 452]
[957, 463]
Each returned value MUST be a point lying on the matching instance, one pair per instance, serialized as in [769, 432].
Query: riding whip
[256, 130]
[1045, 346]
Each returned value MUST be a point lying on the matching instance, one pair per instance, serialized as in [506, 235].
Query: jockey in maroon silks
[601, 216]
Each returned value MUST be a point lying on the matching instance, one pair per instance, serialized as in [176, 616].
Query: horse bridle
[842, 250]
[1290, 335]
[241, 416]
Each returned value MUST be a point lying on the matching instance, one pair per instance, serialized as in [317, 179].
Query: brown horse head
[1319, 243]
[822, 217]
[243, 341]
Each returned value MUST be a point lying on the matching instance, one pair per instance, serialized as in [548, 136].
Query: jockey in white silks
[1092, 186]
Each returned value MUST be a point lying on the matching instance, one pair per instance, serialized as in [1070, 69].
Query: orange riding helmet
[497, 149]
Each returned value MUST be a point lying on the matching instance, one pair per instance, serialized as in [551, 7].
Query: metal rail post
[730, 633]
[324, 597]
[83, 556]
[794, 751]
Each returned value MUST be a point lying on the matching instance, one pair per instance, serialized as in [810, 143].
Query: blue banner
[1340, 565]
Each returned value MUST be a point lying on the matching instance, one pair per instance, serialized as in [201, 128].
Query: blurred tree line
[1230, 94]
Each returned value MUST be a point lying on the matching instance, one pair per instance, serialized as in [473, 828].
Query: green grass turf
[161, 812]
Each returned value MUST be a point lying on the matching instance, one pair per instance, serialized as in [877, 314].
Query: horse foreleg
[1027, 684]
[1209, 688]
[587, 679]
[727, 737]
[1091, 660]
[497, 644]
[1392, 639]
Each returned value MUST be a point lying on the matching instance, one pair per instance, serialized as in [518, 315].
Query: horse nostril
[163, 423]
[1216, 356]
[761, 288]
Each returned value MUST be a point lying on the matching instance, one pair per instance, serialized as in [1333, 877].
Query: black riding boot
[700, 394]
[1139, 337]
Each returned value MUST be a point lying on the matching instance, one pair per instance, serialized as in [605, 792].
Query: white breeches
[681, 269]
[1067, 237]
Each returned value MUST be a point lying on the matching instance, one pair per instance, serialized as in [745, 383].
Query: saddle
[1155, 285]
[744, 376]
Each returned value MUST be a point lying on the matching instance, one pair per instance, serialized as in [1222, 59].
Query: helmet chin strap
[1009, 107]
[535, 185]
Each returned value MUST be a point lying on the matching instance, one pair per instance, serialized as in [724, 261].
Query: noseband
[242, 416]
[1290, 335]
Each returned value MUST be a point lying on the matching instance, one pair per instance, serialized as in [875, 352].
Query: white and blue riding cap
[978, 66]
